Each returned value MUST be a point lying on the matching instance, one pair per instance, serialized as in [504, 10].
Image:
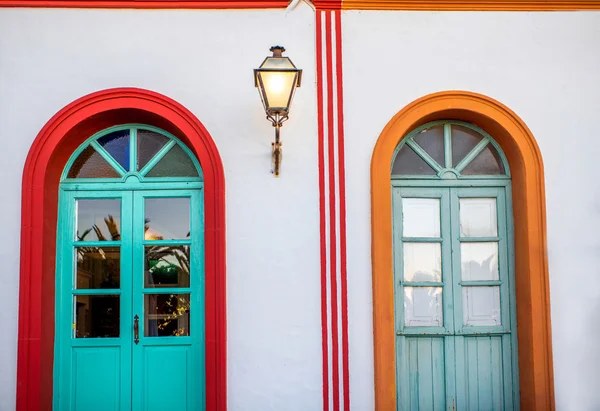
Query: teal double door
[456, 346]
[130, 300]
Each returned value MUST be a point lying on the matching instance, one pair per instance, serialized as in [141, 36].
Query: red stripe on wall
[342, 191]
[322, 227]
[332, 214]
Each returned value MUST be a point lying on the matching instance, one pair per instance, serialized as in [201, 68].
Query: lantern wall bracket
[277, 121]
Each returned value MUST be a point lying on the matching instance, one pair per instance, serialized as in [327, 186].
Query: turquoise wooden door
[454, 292]
[168, 298]
[130, 276]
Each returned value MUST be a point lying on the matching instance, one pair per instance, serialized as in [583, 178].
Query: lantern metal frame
[276, 115]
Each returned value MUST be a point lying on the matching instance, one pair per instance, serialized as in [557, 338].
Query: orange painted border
[490, 5]
[532, 288]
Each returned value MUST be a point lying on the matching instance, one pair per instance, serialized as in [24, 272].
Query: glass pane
[149, 143]
[421, 217]
[167, 315]
[176, 163]
[98, 267]
[98, 220]
[478, 217]
[167, 266]
[432, 141]
[97, 316]
[408, 162]
[90, 164]
[479, 261]
[486, 162]
[463, 141]
[117, 145]
[422, 261]
[481, 306]
[277, 87]
[167, 218]
[423, 307]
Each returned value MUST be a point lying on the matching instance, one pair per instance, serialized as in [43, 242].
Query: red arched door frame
[46, 159]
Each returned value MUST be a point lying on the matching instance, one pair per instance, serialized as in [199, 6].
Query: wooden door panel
[424, 374]
[167, 377]
[481, 376]
[96, 378]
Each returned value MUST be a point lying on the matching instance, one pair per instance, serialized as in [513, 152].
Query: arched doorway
[455, 322]
[49, 154]
[130, 274]
[531, 271]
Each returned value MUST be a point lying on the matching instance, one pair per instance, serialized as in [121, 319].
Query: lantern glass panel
[277, 63]
[278, 88]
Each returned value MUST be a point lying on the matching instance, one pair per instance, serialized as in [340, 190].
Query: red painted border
[327, 5]
[148, 4]
[322, 228]
[47, 157]
[332, 216]
[342, 193]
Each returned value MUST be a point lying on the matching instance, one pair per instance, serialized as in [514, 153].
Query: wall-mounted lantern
[277, 79]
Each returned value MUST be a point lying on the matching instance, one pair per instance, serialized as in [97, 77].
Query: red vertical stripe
[322, 214]
[332, 214]
[342, 188]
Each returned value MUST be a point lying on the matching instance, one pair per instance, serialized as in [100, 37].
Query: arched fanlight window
[142, 151]
[449, 150]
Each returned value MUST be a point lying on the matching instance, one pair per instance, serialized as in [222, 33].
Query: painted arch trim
[47, 157]
[531, 267]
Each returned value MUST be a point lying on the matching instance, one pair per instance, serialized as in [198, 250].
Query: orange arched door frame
[532, 288]
[47, 157]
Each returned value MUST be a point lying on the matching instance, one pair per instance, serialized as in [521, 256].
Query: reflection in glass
[409, 162]
[90, 164]
[176, 163]
[98, 220]
[167, 315]
[149, 143]
[423, 307]
[96, 316]
[479, 261]
[478, 217]
[481, 306]
[463, 141]
[167, 266]
[432, 141]
[98, 267]
[422, 261]
[486, 162]
[117, 145]
[421, 217]
[167, 218]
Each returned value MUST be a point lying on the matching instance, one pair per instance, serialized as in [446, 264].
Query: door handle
[136, 329]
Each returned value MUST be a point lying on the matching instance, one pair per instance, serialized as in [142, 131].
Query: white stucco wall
[545, 67]
[203, 60]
